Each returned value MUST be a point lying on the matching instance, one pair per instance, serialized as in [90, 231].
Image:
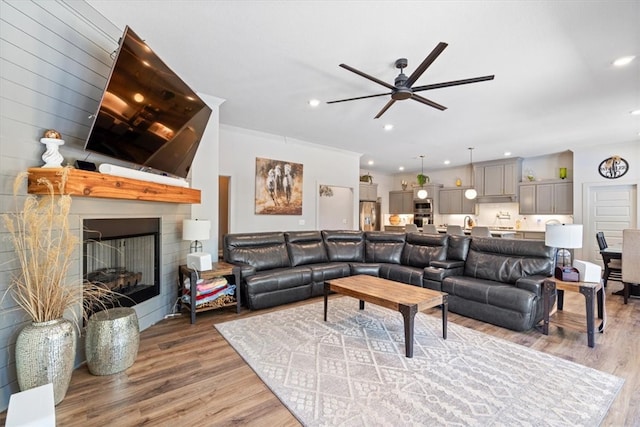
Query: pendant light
[471, 193]
[422, 193]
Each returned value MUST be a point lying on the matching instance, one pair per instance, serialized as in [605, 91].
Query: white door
[611, 209]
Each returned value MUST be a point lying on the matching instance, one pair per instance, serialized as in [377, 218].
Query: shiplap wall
[55, 58]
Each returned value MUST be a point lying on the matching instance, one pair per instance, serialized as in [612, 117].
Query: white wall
[204, 175]
[548, 167]
[335, 211]
[240, 147]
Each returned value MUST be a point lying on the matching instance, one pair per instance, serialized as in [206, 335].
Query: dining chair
[612, 263]
[455, 230]
[630, 257]
[411, 228]
[480, 231]
[429, 229]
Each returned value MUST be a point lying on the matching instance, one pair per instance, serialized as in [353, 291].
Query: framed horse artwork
[278, 187]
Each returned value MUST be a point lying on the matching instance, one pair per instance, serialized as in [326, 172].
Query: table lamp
[196, 230]
[563, 237]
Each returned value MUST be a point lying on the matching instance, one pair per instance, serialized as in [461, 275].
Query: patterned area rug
[351, 371]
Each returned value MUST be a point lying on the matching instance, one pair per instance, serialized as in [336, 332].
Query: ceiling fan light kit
[403, 86]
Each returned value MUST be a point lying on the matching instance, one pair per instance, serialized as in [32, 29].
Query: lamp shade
[196, 229]
[566, 236]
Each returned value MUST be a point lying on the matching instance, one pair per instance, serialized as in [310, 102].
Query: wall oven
[423, 212]
[421, 220]
[424, 205]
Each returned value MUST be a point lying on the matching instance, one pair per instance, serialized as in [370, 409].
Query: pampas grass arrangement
[45, 247]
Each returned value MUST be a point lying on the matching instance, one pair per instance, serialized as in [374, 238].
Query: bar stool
[455, 230]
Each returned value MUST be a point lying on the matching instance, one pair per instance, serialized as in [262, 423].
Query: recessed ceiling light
[314, 102]
[446, 162]
[401, 168]
[370, 162]
[635, 113]
[388, 126]
[507, 153]
[625, 60]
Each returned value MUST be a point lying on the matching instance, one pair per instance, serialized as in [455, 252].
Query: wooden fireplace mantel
[81, 183]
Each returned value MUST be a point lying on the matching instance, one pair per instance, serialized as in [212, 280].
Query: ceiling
[555, 87]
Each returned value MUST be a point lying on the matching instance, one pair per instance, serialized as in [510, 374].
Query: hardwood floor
[188, 375]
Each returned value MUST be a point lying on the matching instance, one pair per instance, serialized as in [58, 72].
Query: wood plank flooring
[187, 375]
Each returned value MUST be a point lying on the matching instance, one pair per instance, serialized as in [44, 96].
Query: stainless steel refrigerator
[370, 216]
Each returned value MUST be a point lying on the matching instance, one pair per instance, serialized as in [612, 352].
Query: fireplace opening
[122, 254]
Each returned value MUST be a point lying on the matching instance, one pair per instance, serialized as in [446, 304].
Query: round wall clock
[613, 167]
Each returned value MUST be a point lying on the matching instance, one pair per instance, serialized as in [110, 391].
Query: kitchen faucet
[466, 221]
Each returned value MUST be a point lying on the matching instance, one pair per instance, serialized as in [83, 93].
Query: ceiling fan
[403, 85]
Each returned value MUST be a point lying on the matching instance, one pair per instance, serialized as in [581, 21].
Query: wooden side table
[591, 292]
[218, 269]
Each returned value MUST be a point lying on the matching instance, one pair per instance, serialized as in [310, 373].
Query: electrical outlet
[301, 222]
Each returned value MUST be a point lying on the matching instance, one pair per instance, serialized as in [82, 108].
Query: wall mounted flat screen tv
[147, 116]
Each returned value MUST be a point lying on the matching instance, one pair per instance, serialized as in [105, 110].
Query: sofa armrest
[532, 284]
[245, 270]
[438, 274]
[447, 263]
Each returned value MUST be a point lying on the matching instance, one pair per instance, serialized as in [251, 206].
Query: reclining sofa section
[494, 280]
[500, 281]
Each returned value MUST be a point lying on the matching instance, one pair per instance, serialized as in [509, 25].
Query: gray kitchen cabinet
[546, 198]
[498, 177]
[452, 201]
[529, 235]
[401, 202]
[493, 180]
[563, 198]
[527, 199]
[368, 192]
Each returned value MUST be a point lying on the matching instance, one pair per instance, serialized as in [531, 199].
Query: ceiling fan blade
[385, 108]
[359, 97]
[367, 76]
[452, 83]
[425, 64]
[428, 102]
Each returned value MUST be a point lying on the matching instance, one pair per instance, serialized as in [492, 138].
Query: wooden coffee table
[406, 299]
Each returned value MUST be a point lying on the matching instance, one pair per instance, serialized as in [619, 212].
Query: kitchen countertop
[494, 233]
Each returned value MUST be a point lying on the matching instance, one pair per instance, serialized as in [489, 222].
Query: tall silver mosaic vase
[112, 340]
[45, 353]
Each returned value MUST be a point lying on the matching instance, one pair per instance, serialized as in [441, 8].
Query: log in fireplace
[122, 254]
